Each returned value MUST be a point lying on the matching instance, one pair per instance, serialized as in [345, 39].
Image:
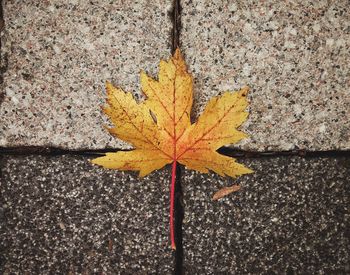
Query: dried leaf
[110, 245]
[173, 137]
[160, 129]
[225, 191]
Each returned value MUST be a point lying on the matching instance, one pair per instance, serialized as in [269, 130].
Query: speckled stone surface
[60, 215]
[291, 216]
[60, 54]
[293, 54]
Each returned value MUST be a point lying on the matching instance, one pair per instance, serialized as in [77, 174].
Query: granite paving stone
[294, 55]
[60, 53]
[291, 216]
[62, 215]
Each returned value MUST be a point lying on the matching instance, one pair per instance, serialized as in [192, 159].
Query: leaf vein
[133, 124]
[207, 132]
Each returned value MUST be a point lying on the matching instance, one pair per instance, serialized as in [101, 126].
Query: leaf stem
[172, 194]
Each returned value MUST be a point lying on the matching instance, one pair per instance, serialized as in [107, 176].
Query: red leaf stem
[172, 193]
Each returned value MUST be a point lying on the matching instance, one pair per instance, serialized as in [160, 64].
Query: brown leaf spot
[225, 191]
[110, 245]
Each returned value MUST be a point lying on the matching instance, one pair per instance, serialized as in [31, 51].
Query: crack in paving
[176, 19]
[3, 58]
[230, 152]
[178, 198]
[179, 216]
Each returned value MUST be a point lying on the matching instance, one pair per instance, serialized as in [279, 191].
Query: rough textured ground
[290, 217]
[61, 215]
[294, 55]
[60, 54]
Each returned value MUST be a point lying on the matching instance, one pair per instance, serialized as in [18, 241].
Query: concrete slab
[295, 57]
[61, 215]
[60, 53]
[290, 217]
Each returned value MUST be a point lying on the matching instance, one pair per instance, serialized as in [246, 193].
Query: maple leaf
[161, 132]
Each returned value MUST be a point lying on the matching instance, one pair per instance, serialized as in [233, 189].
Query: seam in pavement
[236, 153]
[179, 213]
[3, 58]
[178, 197]
[176, 19]
[273, 154]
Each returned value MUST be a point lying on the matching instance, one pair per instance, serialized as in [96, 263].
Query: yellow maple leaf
[161, 132]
